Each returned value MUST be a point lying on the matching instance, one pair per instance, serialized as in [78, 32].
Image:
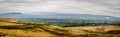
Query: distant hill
[52, 15]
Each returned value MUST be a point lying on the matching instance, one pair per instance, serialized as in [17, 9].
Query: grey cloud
[102, 7]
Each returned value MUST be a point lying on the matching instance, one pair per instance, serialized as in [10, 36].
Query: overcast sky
[97, 7]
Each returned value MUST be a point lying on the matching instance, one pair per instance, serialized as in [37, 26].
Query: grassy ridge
[17, 28]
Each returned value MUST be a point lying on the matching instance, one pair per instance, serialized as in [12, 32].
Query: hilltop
[16, 28]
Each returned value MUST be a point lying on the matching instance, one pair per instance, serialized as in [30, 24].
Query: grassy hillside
[17, 28]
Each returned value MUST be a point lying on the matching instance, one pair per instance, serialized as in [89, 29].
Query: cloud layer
[98, 7]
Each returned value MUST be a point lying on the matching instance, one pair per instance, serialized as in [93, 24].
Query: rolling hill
[16, 28]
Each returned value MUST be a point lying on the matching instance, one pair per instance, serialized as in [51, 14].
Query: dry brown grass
[8, 24]
[9, 20]
[104, 28]
[16, 28]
